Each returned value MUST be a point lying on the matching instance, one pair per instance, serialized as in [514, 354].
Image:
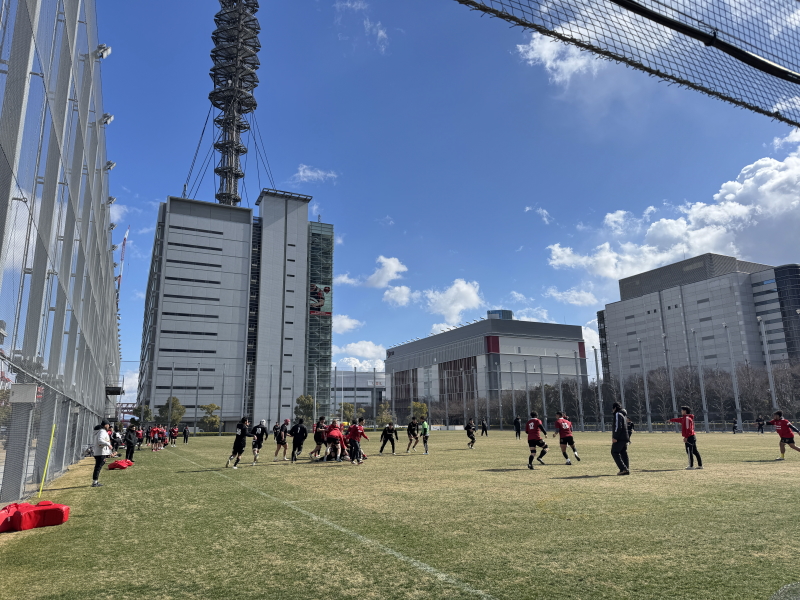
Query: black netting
[747, 53]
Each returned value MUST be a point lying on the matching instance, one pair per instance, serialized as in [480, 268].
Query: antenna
[235, 57]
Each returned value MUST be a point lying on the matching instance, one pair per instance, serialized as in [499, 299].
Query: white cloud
[131, 384]
[439, 327]
[536, 314]
[451, 303]
[520, 249]
[351, 363]
[145, 230]
[528, 208]
[339, 240]
[307, 174]
[519, 298]
[118, 212]
[387, 220]
[343, 323]
[362, 349]
[379, 31]
[401, 295]
[572, 296]
[351, 4]
[345, 279]
[314, 208]
[139, 295]
[591, 338]
[545, 216]
[389, 270]
[561, 61]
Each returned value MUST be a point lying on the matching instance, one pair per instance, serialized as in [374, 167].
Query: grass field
[454, 524]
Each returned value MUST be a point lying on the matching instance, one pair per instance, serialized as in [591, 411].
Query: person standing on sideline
[319, 438]
[735, 425]
[425, 431]
[760, 424]
[354, 435]
[260, 433]
[130, 442]
[630, 425]
[185, 434]
[689, 440]
[389, 434]
[470, 429]
[275, 429]
[173, 436]
[786, 430]
[517, 426]
[619, 441]
[299, 434]
[535, 429]
[484, 428]
[239, 442]
[280, 440]
[564, 430]
[139, 437]
[102, 449]
[147, 433]
[413, 435]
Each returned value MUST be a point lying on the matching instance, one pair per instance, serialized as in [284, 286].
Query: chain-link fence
[59, 354]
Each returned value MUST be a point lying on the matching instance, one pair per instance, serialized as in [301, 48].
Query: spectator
[102, 449]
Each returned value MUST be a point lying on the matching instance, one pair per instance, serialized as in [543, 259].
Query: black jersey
[469, 428]
[388, 432]
[242, 433]
[413, 428]
[281, 438]
[260, 432]
[275, 429]
[299, 433]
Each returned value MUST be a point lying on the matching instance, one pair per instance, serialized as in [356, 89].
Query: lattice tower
[235, 57]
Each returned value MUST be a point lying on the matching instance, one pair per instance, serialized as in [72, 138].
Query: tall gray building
[237, 307]
[704, 312]
[59, 346]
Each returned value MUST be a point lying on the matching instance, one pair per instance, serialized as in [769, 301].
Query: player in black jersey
[413, 435]
[240, 442]
[470, 429]
[280, 440]
[389, 434]
[298, 433]
[319, 439]
[260, 432]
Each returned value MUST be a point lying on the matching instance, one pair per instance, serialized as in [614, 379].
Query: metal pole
[560, 388]
[527, 390]
[500, 394]
[474, 375]
[269, 412]
[464, 394]
[544, 396]
[646, 388]
[316, 391]
[341, 403]
[702, 380]
[668, 362]
[355, 392]
[375, 395]
[621, 379]
[769, 365]
[735, 379]
[447, 384]
[246, 388]
[579, 379]
[488, 394]
[196, 399]
[599, 392]
[222, 404]
[169, 400]
[513, 396]
[393, 394]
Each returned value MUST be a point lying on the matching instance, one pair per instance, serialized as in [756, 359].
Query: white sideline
[425, 568]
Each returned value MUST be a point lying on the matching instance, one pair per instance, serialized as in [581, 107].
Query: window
[630, 317]
[292, 291]
[635, 366]
[287, 371]
[290, 322]
[519, 350]
[194, 246]
[778, 351]
[188, 332]
[289, 306]
[287, 389]
[194, 229]
[289, 339]
[290, 259]
[770, 291]
[631, 333]
[191, 298]
[768, 312]
[182, 387]
[669, 307]
[292, 245]
[287, 354]
[776, 341]
[633, 349]
[708, 337]
[768, 281]
[648, 312]
[704, 300]
[172, 314]
[705, 319]
[189, 262]
[192, 280]
[289, 275]
[710, 356]
[193, 370]
[655, 310]
[763, 302]
[189, 351]
[770, 321]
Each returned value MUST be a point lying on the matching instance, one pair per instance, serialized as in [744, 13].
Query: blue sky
[465, 165]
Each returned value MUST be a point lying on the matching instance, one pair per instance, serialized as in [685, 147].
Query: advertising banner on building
[319, 300]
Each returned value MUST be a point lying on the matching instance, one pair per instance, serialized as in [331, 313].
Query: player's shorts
[333, 441]
[787, 440]
[566, 440]
[257, 445]
[411, 436]
[238, 448]
[471, 436]
[280, 443]
[319, 438]
[536, 443]
[692, 439]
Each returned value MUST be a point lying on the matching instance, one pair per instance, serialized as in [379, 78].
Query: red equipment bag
[128, 462]
[6, 514]
[118, 464]
[44, 514]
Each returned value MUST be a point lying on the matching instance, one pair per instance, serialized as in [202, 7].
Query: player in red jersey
[154, 438]
[535, 428]
[335, 441]
[564, 430]
[689, 440]
[786, 430]
[354, 435]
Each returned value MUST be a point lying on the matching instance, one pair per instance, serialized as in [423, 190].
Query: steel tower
[235, 57]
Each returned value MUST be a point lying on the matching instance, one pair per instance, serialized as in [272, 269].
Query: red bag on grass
[44, 514]
[128, 462]
[118, 464]
[6, 514]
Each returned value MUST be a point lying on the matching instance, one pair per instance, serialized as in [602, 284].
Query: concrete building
[365, 389]
[229, 305]
[482, 361]
[707, 311]
[59, 345]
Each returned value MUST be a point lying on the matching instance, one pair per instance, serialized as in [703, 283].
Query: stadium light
[110, 165]
[107, 119]
[111, 200]
[103, 51]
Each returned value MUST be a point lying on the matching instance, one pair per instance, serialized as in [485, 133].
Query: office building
[366, 390]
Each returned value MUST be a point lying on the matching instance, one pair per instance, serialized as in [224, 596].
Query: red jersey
[356, 433]
[783, 427]
[334, 433]
[139, 434]
[687, 424]
[564, 428]
[533, 427]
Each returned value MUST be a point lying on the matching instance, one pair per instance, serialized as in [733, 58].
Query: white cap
[263, 422]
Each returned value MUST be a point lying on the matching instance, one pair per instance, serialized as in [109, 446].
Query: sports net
[746, 53]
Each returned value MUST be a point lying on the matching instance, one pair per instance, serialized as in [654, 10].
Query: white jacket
[102, 443]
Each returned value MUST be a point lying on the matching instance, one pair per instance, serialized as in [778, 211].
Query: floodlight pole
[769, 364]
[579, 380]
[599, 392]
[527, 390]
[464, 394]
[734, 379]
[544, 396]
[702, 381]
[513, 397]
[646, 388]
[222, 405]
[196, 399]
[560, 388]
[169, 400]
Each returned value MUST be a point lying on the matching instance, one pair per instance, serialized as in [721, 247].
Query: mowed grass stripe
[575, 532]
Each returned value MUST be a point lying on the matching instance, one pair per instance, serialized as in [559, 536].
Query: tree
[210, 421]
[349, 414]
[304, 408]
[385, 413]
[178, 410]
[419, 410]
[143, 413]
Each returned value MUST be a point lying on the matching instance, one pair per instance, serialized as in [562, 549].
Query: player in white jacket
[102, 449]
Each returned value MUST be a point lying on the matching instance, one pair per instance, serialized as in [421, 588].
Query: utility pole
[735, 379]
[769, 365]
[599, 392]
[702, 381]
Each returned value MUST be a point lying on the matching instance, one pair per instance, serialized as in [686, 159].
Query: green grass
[179, 525]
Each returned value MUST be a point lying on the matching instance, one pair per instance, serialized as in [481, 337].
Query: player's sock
[236, 462]
[530, 459]
[783, 454]
[542, 453]
[564, 452]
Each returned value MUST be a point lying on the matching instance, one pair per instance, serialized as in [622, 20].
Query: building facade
[480, 363]
[59, 344]
[365, 390]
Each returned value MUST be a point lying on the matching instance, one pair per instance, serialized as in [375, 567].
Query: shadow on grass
[75, 487]
[202, 470]
[660, 470]
[500, 470]
[772, 460]
[583, 476]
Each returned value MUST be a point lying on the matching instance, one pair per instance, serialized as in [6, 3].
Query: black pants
[129, 452]
[297, 450]
[517, 432]
[484, 432]
[383, 445]
[760, 429]
[355, 450]
[185, 438]
[99, 461]
[691, 451]
[619, 450]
